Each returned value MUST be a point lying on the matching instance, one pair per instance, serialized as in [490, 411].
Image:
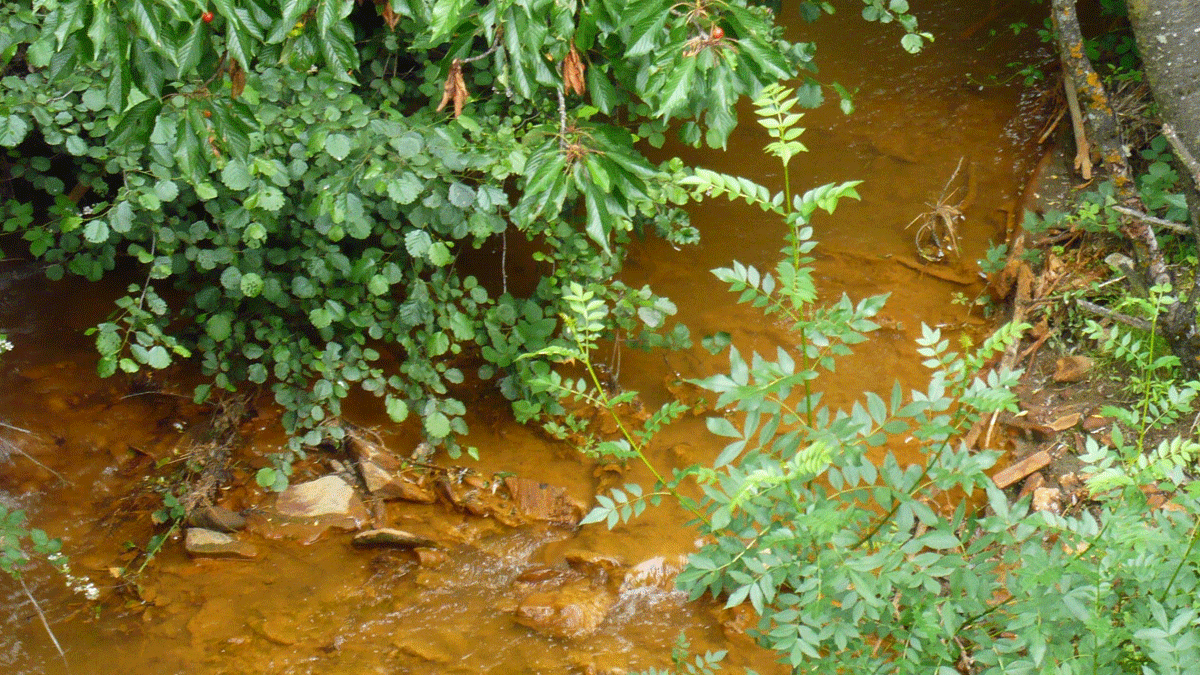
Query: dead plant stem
[45, 623]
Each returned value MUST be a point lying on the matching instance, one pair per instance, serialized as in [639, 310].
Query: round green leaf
[235, 175]
[251, 285]
[219, 327]
[378, 285]
[338, 146]
[397, 409]
[320, 317]
[96, 231]
[437, 425]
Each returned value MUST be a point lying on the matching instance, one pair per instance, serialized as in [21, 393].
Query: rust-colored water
[327, 608]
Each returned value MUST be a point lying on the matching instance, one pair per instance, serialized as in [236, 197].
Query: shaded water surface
[328, 608]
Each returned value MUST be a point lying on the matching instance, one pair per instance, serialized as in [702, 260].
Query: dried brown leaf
[237, 78]
[573, 70]
[455, 89]
[389, 17]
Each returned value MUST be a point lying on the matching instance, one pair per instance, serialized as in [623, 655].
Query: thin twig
[156, 393]
[1154, 220]
[11, 447]
[562, 119]
[9, 426]
[45, 623]
[483, 55]
[1131, 321]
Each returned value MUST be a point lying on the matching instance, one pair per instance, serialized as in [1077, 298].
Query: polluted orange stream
[327, 607]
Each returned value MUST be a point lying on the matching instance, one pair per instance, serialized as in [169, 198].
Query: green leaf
[378, 285]
[251, 285]
[320, 317]
[158, 357]
[437, 425]
[166, 190]
[439, 254]
[236, 175]
[338, 146]
[397, 409]
[219, 327]
[191, 50]
[96, 231]
[461, 195]
[13, 129]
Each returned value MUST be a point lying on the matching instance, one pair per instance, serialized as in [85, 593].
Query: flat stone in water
[327, 496]
[210, 543]
[390, 538]
[216, 518]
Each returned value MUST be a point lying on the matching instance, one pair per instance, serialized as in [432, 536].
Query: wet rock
[476, 495]
[278, 628]
[547, 503]
[386, 475]
[212, 544]
[1047, 499]
[595, 566]
[575, 610]
[423, 649]
[537, 579]
[1031, 483]
[1035, 462]
[1072, 368]
[390, 538]
[330, 499]
[736, 620]
[216, 518]
[658, 572]
[430, 558]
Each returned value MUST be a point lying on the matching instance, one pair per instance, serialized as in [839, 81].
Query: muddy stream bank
[330, 607]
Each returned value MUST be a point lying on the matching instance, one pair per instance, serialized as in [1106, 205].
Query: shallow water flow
[330, 608]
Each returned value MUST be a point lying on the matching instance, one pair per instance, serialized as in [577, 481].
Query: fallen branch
[1154, 220]
[1131, 321]
[1083, 152]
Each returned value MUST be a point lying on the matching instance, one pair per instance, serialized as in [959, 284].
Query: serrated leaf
[96, 231]
[236, 175]
[338, 146]
[397, 409]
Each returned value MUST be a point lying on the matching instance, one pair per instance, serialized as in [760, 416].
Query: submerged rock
[572, 611]
[596, 566]
[658, 572]
[216, 518]
[547, 503]
[212, 544]
[387, 537]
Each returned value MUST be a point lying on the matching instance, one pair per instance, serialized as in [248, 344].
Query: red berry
[718, 32]
[207, 17]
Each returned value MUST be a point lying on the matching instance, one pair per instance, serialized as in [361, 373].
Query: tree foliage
[853, 561]
[293, 184]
